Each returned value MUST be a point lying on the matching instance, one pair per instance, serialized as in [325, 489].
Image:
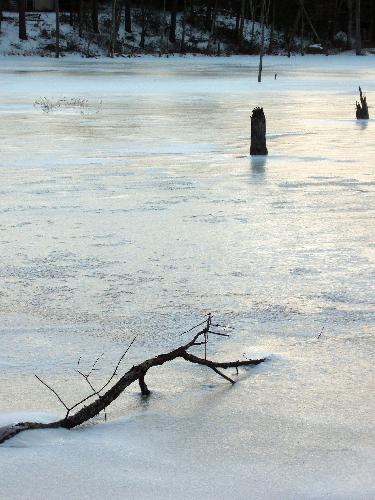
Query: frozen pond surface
[145, 212]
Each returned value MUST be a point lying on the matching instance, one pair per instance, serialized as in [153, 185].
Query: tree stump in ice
[258, 133]
[362, 108]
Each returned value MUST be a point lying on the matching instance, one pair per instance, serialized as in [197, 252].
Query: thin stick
[221, 334]
[193, 327]
[95, 363]
[53, 390]
[118, 364]
[320, 334]
[96, 393]
[222, 375]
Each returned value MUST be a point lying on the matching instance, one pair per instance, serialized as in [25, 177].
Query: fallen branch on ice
[137, 372]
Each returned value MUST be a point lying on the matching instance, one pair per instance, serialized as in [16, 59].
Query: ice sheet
[144, 216]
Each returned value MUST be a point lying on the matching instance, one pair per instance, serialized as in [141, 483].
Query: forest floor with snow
[130, 206]
[41, 37]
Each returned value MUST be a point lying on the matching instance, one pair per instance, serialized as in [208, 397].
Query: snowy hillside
[41, 36]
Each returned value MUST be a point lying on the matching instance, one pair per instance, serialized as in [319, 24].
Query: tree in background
[81, 14]
[57, 28]
[95, 16]
[128, 17]
[261, 50]
[212, 34]
[349, 42]
[241, 23]
[162, 30]
[114, 30]
[21, 20]
[358, 37]
[143, 25]
[172, 28]
[299, 21]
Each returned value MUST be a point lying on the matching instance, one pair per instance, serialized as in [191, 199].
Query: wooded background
[319, 21]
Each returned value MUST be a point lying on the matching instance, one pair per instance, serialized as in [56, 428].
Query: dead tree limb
[362, 107]
[142, 384]
[137, 372]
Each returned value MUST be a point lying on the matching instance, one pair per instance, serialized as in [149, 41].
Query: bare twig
[321, 331]
[221, 334]
[193, 328]
[97, 393]
[117, 366]
[95, 363]
[53, 390]
[87, 378]
[222, 374]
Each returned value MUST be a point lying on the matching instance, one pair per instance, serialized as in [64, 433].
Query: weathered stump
[258, 133]
[362, 108]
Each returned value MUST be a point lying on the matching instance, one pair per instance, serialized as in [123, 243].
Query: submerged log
[362, 108]
[258, 133]
[102, 398]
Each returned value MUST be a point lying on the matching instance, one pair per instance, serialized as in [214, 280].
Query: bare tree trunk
[208, 19]
[191, 8]
[21, 20]
[119, 6]
[182, 47]
[57, 28]
[242, 24]
[308, 18]
[302, 28]
[162, 31]
[80, 18]
[252, 15]
[113, 29]
[1, 13]
[270, 47]
[335, 14]
[358, 38]
[350, 24]
[293, 31]
[128, 17]
[238, 21]
[143, 25]
[262, 20]
[137, 373]
[172, 28]
[71, 8]
[95, 16]
[213, 27]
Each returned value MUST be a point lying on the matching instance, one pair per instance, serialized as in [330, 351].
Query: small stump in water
[362, 108]
[258, 133]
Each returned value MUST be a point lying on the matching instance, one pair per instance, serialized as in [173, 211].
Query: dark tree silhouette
[95, 16]
[128, 17]
[21, 20]
[172, 28]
